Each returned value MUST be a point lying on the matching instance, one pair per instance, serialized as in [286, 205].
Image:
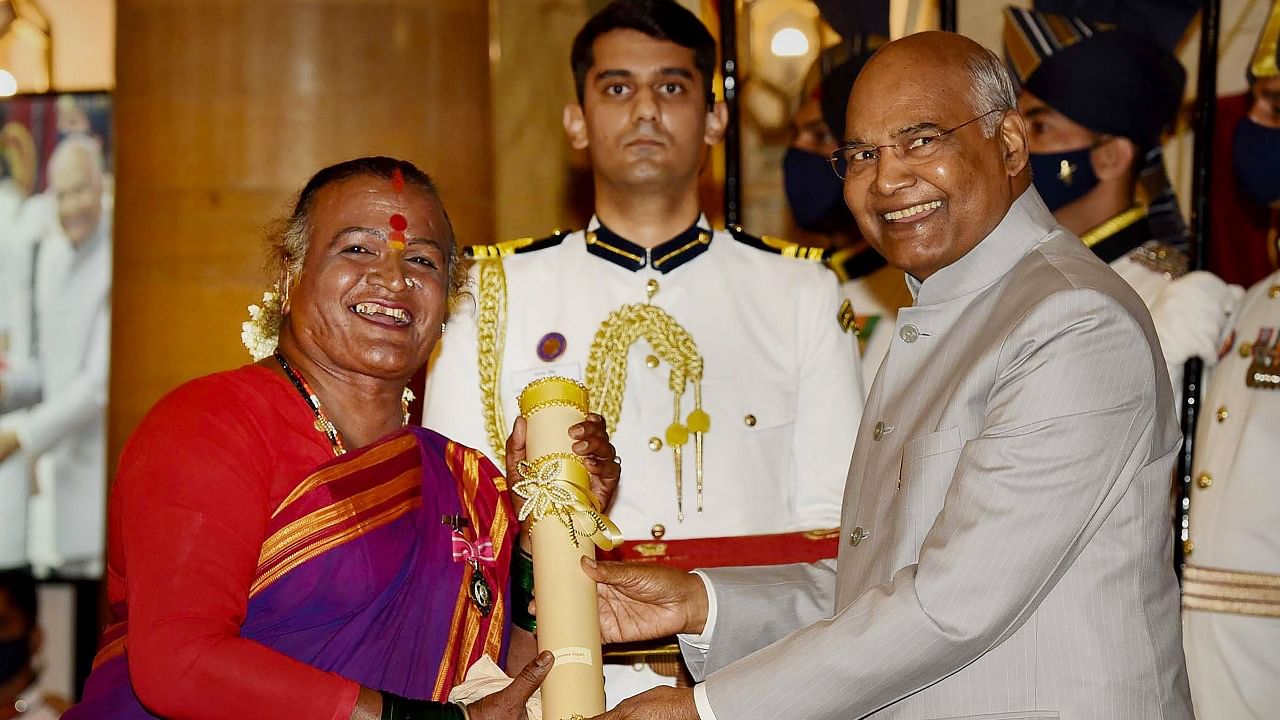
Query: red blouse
[188, 515]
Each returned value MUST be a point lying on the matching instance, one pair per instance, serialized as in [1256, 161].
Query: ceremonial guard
[1231, 590]
[1231, 581]
[729, 383]
[1097, 99]
[712, 326]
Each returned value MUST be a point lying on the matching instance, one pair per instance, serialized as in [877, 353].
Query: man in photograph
[55, 404]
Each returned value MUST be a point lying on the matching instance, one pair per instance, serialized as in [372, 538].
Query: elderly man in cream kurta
[55, 401]
[1006, 547]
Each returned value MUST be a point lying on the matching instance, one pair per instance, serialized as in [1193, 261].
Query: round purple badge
[551, 346]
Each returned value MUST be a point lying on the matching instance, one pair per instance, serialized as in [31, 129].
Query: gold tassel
[677, 436]
[607, 376]
[699, 423]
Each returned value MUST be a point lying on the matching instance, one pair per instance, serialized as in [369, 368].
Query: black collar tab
[604, 243]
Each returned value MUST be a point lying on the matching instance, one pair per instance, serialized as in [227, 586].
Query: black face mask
[1256, 151]
[15, 656]
[1061, 178]
[813, 190]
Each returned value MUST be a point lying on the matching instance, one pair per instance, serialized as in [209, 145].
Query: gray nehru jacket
[1006, 544]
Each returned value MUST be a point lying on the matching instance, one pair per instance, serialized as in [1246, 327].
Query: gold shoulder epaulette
[777, 245]
[514, 247]
[1162, 258]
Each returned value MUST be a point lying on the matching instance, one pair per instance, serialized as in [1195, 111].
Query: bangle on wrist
[395, 707]
[522, 590]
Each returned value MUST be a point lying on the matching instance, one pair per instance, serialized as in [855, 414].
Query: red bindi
[398, 223]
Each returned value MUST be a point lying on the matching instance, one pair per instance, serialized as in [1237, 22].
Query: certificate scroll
[567, 527]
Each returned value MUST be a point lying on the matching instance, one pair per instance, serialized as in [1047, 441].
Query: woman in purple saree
[280, 544]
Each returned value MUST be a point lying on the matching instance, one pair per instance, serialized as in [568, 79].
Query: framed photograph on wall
[56, 201]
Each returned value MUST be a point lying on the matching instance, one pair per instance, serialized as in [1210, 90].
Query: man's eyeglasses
[856, 160]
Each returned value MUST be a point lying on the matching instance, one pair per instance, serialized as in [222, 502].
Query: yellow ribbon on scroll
[556, 483]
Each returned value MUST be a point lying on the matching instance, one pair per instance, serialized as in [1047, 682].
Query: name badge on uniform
[517, 379]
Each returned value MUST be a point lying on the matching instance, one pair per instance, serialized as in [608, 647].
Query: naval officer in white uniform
[1231, 592]
[710, 337]
[1096, 160]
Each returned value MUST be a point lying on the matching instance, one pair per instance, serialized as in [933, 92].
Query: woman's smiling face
[374, 285]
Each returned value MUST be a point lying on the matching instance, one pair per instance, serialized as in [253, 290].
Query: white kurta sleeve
[19, 386]
[757, 606]
[66, 410]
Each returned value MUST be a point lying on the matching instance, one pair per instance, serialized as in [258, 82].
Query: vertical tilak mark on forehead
[397, 221]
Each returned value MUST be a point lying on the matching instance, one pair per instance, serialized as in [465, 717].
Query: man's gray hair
[991, 89]
[73, 142]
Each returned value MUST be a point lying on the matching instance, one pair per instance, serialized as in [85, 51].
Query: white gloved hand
[1193, 315]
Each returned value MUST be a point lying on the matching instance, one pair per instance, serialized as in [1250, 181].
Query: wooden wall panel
[537, 174]
[224, 108]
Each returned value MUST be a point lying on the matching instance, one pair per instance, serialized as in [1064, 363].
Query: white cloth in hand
[485, 678]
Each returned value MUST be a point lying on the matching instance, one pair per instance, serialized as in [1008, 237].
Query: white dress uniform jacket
[61, 396]
[781, 380]
[1231, 602]
[1006, 542]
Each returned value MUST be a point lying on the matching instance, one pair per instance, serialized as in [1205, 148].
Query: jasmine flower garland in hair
[261, 332]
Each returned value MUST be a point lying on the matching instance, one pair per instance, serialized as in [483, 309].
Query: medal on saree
[480, 592]
[473, 553]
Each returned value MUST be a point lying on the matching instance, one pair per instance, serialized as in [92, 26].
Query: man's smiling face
[922, 216]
